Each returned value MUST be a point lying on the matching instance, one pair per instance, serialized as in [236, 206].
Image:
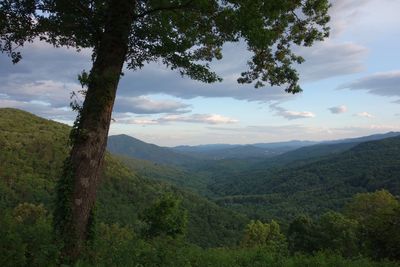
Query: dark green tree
[339, 234]
[165, 217]
[302, 235]
[182, 34]
[378, 215]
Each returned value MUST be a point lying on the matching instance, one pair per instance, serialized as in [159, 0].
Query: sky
[350, 82]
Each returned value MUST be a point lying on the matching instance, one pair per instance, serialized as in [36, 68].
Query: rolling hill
[32, 150]
[129, 146]
[316, 186]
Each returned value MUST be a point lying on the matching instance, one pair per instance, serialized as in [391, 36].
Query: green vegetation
[314, 186]
[31, 153]
[131, 147]
[144, 222]
[171, 174]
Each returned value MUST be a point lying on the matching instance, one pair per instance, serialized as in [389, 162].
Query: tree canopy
[182, 34]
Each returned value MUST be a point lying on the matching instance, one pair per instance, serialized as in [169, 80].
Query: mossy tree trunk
[77, 188]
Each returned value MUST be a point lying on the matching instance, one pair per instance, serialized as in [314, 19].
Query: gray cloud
[382, 84]
[330, 59]
[289, 114]
[42, 61]
[40, 108]
[44, 65]
[145, 105]
[54, 93]
[338, 109]
[343, 13]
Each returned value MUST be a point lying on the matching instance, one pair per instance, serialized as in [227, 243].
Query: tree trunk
[77, 188]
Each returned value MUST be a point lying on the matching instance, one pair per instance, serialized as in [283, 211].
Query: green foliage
[114, 245]
[314, 187]
[302, 235]
[339, 234]
[331, 232]
[182, 35]
[174, 175]
[165, 217]
[27, 238]
[130, 147]
[378, 216]
[266, 235]
[368, 228]
[31, 156]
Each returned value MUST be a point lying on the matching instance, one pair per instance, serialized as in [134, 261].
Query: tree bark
[77, 192]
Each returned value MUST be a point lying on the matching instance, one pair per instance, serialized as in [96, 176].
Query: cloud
[338, 109]
[365, 115]
[344, 13]
[140, 121]
[291, 115]
[42, 109]
[145, 105]
[199, 118]
[42, 62]
[362, 16]
[193, 118]
[382, 84]
[330, 59]
[55, 93]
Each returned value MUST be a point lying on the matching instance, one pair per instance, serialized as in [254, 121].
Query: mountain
[316, 186]
[32, 150]
[227, 151]
[362, 139]
[193, 155]
[171, 174]
[128, 146]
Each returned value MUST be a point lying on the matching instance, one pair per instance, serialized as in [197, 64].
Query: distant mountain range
[181, 155]
[299, 184]
[129, 146]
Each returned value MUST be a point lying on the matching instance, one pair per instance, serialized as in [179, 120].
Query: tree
[302, 235]
[267, 235]
[338, 233]
[182, 34]
[165, 217]
[378, 214]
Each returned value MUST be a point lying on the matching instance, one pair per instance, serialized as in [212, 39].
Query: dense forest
[338, 208]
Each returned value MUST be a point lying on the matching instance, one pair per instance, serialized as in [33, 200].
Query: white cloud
[338, 109]
[194, 118]
[365, 115]
[289, 114]
[199, 118]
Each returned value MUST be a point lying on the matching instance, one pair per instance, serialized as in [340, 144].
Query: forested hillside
[31, 153]
[142, 221]
[128, 146]
[314, 186]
